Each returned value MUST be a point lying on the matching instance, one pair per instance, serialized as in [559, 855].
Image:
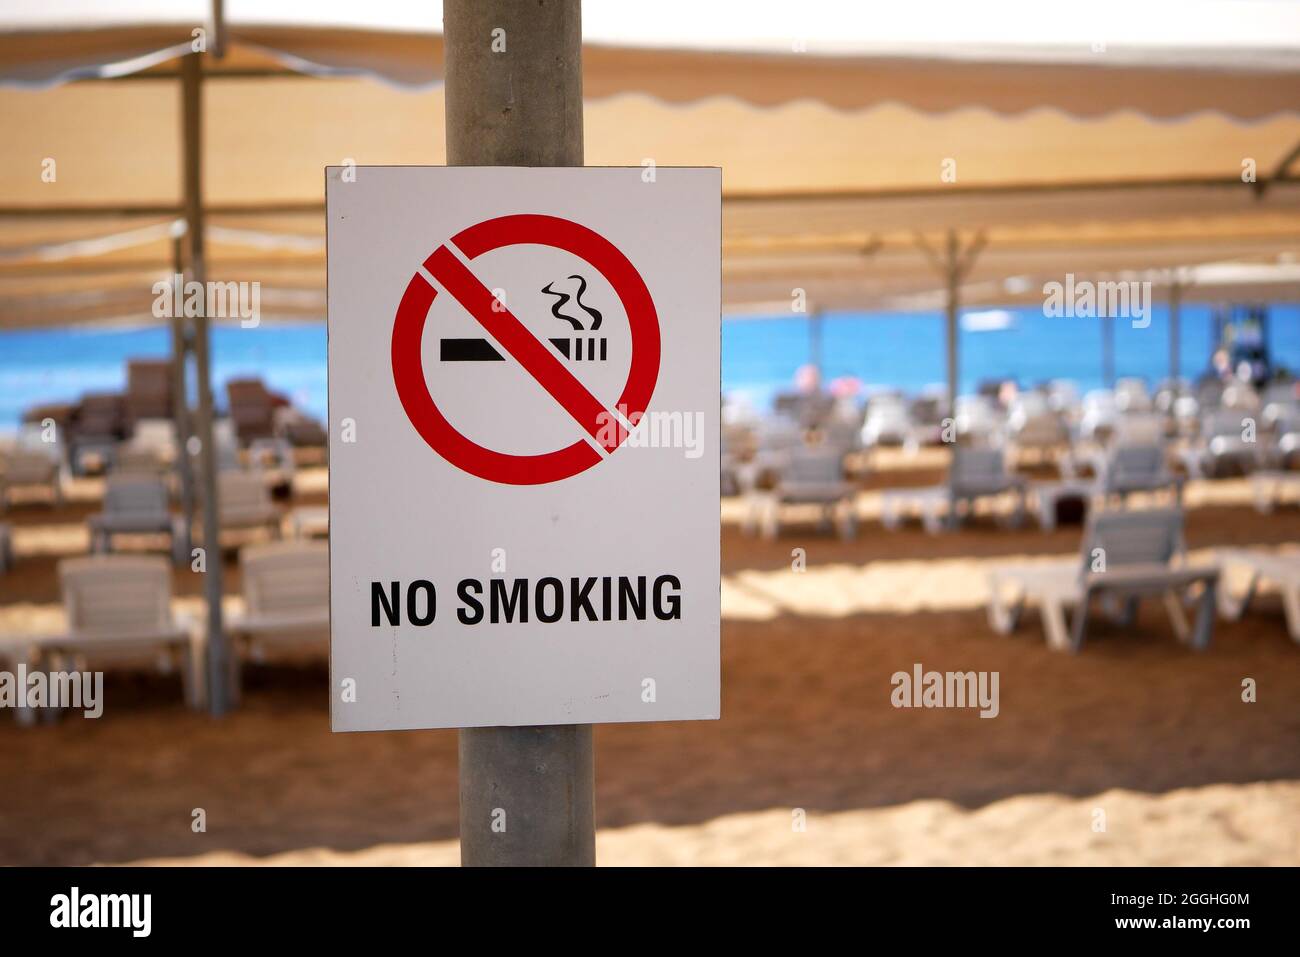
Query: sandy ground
[1154, 737]
[1219, 825]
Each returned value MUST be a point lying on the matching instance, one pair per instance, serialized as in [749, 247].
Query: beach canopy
[1090, 138]
[1163, 59]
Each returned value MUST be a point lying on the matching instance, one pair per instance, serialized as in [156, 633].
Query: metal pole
[1175, 333]
[218, 662]
[815, 345]
[181, 397]
[1108, 351]
[954, 278]
[514, 98]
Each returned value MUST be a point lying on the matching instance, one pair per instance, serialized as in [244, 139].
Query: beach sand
[1153, 736]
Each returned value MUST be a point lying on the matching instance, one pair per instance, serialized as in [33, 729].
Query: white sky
[828, 26]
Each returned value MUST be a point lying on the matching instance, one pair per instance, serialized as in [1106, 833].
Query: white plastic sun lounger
[137, 504]
[119, 611]
[1281, 570]
[286, 596]
[1136, 554]
[1223, 446]
[29, 468]
[20, 652]
[804, 477]
[273, 459]
[1136, 468]
[1270, 489]
[244, 502]
[975, 473]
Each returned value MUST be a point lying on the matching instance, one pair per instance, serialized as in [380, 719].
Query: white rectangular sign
[524, 405]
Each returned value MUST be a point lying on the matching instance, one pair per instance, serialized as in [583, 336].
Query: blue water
[907, 350]
[59, 365]
[758, 356]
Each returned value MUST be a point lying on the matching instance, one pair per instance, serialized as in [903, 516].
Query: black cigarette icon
[480, 350]
[573, 348]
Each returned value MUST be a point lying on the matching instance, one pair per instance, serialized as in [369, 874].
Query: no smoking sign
[448, 268]
[524, 383]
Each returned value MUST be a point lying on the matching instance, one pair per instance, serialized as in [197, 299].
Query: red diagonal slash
[537, 360]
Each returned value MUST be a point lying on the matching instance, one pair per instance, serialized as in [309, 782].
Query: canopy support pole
[181, 394]
[1175, 331]
[815, 331]
[514, 98]
[954, 265]
[220, 697]
[1108, 351]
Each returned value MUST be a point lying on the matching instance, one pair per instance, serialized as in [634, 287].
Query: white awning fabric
[1087, 138]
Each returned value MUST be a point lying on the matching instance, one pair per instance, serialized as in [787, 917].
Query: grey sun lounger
[1126, 556]
[803, 477]
[137, 504]
[975, 473]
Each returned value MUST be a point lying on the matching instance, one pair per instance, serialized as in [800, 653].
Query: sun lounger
[119, 611]
[29, 468]
[1098, 416]
[1126, 469]
[976, 473]
[152, 447]
[244, 502]
[1284, 444]
[300, 429]
[1138, 428]
[1225, 445]
[137, 505]
[309, 521]
[286, 594]
[979, 420]
[888, 422]
[20, 652]
[1281, 570]
[1047, 497]
[98, 425]
[1270, 489]
[1126, 556]
[804, 476]
[273, 459]
[148, 391]
[1043, 432]
[1131, 395]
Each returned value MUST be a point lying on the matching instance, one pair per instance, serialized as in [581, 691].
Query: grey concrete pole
[514, 98]
[815, 332]
[1108, 351]
[218, 661]
[181, 398]
[1175, 333]
[954, 280]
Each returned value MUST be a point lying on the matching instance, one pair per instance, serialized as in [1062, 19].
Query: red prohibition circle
[413, 312]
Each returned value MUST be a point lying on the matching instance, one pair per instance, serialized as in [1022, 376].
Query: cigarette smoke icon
[574, 348]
